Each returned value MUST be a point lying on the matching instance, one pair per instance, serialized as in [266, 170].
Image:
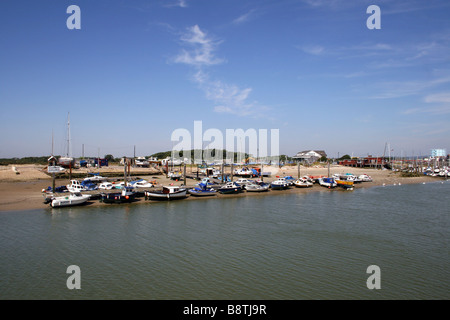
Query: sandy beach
[23, 191]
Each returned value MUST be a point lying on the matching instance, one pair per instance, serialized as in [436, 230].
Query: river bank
[25, 193]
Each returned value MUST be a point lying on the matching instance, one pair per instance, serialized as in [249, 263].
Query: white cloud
[244, 18]
[201, 53]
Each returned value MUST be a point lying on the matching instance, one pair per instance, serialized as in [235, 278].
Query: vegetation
[25, 160]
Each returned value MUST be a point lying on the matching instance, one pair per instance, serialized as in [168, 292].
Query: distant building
[438, 153]
[309, 156]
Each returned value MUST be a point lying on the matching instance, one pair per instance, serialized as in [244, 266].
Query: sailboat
[67, 161]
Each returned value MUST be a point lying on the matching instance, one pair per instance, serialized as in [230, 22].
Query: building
[309, 156]
[368, 161]
[438, 153]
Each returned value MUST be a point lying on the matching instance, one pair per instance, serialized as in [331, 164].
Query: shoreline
[27, 195]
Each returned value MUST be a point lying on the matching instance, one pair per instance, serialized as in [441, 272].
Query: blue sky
[138, 70]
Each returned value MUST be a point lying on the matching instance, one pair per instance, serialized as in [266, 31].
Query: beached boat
[175, 175]
[202, 191]
[106, 186]
[125, 196]
[96, 177]
[73, 199]
[365, 178]
[244, 172]
[302, 183]
[279, 184]
[230, 188]
[141, 183]
[167, 193]
[346, 184]
[327, 182]
[75, 186]
[243, 182]
[257, 187]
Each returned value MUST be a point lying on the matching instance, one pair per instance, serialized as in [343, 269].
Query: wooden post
[184, 169]
[328, 169]
[298, 170]
[223, 179]
[232, 171]
[125, 170]
[262, 168]
[70, 170]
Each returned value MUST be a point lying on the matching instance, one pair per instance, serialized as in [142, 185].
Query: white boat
[75, 186]
[327, 182]
[95, 177]
[243, 182]
[365, 178]
[175, 175]
[141, 184]
[73, 199]
[167, 193]
[230, 188]
[106, 186]
[279, 184]
[302, 183]
[256, 187]
[243, 172]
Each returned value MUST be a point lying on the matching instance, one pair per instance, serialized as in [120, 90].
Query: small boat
[327, 182]
[96, 177]
[75, 186]
[303, 183]
[174, 175]
[202, 191]
[230, 188]
[365, 178]
[257, 187]
[346, 184]
[106, 186]
[167, 193]
[243, 182]
[73, 199]
[141, 183]
[126, 195]
[279, 184]
[244, 172]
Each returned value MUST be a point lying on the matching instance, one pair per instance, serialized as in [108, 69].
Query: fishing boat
[279, 184]
[125, 196]
[167, 193]
[302, 183]
[327, 182]
[202, 191]
[73, 199]
[230, 188]
[174, 175]
[257, 187]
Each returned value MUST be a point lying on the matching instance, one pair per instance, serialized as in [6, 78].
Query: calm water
[305, 246]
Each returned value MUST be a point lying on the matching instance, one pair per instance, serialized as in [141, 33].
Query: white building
[309, 156]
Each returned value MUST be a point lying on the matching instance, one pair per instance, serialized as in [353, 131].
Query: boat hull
[159, 195]
[117, 198]
[68, 201]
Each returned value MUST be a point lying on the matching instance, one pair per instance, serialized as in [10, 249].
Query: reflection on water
[296, 246]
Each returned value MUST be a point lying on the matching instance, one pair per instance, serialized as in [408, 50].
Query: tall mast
[69, 155]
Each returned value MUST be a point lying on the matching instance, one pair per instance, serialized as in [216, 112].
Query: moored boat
[125, 196]
[257, 187]
[229, 188]
[73, 199]
[279, 184]
[327, 182]
[167, 193]
[202, 191]
[302, 183]
[346, 184]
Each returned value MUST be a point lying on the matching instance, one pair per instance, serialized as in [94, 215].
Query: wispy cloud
[202, 49]
[244, 18]
[228, 98]
[397, 89]
[313, 50]
[177, 3]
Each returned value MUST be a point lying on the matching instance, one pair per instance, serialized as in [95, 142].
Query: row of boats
[205, 188]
